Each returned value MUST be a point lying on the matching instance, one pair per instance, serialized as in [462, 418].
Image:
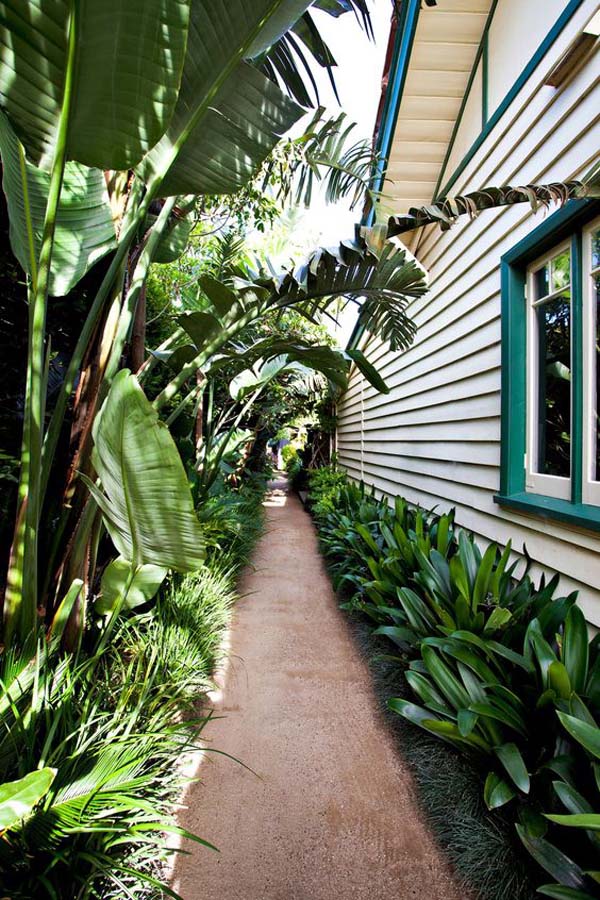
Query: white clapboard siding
[435, 438]
[514, 34]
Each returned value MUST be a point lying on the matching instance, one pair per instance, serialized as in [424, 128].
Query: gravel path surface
[330, 813]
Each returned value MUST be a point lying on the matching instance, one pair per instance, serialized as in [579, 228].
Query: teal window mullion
[484, 80]
[514, 379]
[577, 374]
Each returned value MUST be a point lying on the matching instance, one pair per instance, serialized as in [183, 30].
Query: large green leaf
[330, 363]
[382, 286]
[128, 73]
[415, 714]
[560, 892]
[575, 648]
[542, 650]
[277, 18]
[587, 735]
[220, 295]
[323, 359]
[229, 116]
[571, 798]
[559, 681]
[18, 798]
[552, 859]
[146, 500]
[174, 241]
[84, 228]
[117, 583]
[578, 820]
[496, 791]
[202, 327]
[251, 380]
[501, 713]
[368, 370]
[450, 732]
[445, 679]
[510, 757]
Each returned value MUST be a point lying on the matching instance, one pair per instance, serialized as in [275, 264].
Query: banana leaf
[145, 498]
[116, 584]
[84, 227]
[126, 82]
[228, 115]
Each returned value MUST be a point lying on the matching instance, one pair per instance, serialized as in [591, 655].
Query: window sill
[583, 515]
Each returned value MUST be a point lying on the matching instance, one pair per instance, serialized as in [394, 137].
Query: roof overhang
[444, 45]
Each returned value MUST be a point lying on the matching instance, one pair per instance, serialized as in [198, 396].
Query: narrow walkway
[333, 814]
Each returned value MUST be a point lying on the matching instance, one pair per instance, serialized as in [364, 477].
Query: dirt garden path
[331, 812]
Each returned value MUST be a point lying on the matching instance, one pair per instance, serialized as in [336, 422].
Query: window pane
[554, 395]
[542, 282]
[596, 364]
[561, 271]
[595, 249]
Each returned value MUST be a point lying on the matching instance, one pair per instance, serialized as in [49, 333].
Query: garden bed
[104, 730]
[489, 681]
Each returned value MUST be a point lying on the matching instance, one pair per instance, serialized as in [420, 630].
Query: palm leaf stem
[22, 592]
[110, 282]
[138, 280]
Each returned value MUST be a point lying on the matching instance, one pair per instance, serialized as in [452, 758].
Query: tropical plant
[88, 743]
[498, 668]
[197, 103]
[445, 212]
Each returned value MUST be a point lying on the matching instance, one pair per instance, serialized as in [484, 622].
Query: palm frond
[445, 212]
[325, 154]
[229, 250]
[382, 286]
[288, 61]
[381, 283]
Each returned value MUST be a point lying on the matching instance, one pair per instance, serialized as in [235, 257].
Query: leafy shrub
[90, 744]
[233, 520]
[324, 485]
[500, 669]
[107, 728]
[294, 466]
[296, 473]
[289, 455]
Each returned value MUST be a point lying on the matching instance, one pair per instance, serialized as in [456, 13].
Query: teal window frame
[565, 224]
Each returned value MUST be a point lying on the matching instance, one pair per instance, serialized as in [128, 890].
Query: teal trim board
[485, 61]
[565, 223]
[564, 18]
[480, 56]
[577, 372]
[405, 36]
[582, 515]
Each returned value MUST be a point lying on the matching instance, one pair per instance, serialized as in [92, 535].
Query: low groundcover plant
[497, 667]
